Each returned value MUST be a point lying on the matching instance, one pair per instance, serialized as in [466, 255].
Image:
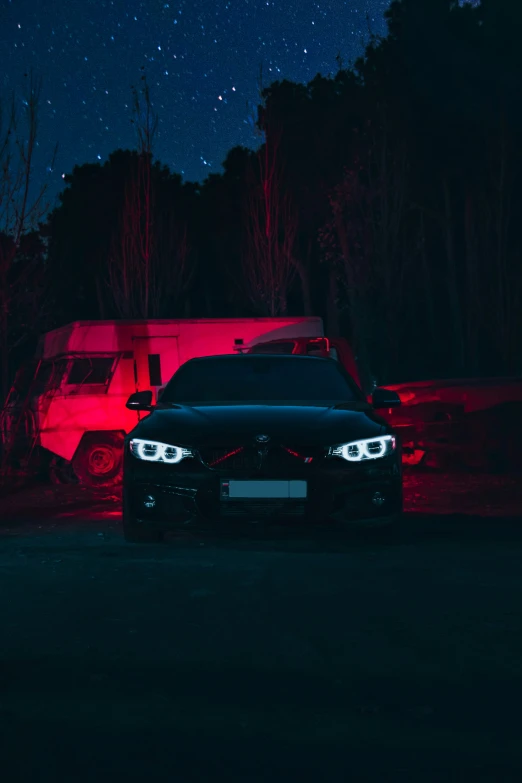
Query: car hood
[230, 424]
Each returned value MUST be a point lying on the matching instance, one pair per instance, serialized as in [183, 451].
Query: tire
[99, 459]
[390, 531]
[134, 533]
[384, 531]
[388, 528]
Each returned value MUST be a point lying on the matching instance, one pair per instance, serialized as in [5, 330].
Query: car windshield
[291, 379]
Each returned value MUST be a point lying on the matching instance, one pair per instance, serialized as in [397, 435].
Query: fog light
[378, 499]
[149, 501]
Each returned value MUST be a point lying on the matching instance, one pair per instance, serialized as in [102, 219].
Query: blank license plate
[241, 489]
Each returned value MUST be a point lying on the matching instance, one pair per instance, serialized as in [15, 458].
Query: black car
[258, 436]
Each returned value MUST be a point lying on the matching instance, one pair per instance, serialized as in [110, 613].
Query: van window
[91, 370]
[154, 369]
[49, 377]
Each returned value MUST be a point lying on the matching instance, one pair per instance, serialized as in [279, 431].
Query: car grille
[237, 458]
[229, 458]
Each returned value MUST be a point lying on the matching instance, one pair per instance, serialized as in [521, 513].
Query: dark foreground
[260, 655]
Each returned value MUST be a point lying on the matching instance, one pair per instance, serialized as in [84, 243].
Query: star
[90, 54]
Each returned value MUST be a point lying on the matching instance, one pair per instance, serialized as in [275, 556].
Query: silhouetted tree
[79, 232]
[270, 233]
[385, 199]
[220, 221]
[149, 262]
[21, 208]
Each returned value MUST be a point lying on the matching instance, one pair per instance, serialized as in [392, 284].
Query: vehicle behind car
[70, 405]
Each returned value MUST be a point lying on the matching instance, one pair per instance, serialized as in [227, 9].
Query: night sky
[201, 58]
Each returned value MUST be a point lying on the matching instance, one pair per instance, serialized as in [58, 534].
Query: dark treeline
[385, 198]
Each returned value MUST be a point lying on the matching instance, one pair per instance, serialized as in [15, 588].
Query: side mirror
[384, 398]
[140, 401]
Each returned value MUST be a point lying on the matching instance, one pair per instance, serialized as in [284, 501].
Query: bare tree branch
[270, 232]
[149, 256]
[21, 208]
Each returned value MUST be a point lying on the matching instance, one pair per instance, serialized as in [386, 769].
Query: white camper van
[74, 406]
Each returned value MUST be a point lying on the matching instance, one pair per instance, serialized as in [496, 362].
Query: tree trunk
[358, 315]
[504, 282]
[428, 289]
[453, 290]
[101, 302]
[304, 276]
[4, 357]
[333, 321]
[4, 328]
[473, 320]
[303, 270]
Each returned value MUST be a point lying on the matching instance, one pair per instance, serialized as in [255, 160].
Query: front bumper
[167, 496]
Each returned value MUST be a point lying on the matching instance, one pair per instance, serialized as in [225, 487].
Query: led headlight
[153, 451]
[370, 448]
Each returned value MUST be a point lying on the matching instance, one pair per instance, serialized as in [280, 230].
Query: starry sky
[202, 60]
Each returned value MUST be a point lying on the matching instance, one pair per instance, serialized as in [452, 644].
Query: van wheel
[98, 461]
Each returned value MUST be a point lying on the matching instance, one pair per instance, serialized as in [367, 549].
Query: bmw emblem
[262, 438]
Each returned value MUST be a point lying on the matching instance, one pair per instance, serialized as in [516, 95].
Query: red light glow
[226, 456]
[322, 342]
[299, 456]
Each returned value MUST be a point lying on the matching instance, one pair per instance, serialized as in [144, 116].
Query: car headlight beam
[154, 451]
[369, 448]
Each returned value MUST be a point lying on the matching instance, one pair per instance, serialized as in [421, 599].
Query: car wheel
[134, 533]
[389, 530]
[98, 461]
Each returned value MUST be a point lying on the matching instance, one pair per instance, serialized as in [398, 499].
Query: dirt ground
[253, 655]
